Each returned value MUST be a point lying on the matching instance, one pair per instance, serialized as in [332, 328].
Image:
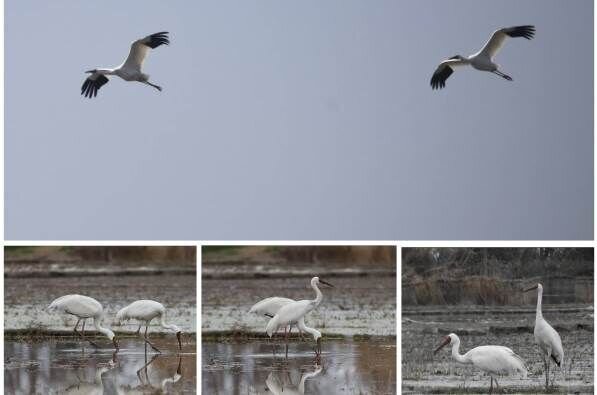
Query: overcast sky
[298, 120]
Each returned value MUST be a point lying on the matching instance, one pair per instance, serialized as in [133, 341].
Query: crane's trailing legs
[155, 86]
[505, 76]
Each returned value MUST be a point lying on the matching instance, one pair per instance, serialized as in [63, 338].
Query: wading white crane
[493, 360]
[482, 60]
[83, 307]
[144, 311]
[293, 312]
[546, 337]
[130, 69]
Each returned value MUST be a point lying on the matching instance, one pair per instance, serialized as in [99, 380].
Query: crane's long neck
[455, 352]
[539, 297]
[319, 296]
[97, 322]
[171, 327]
[312, 331]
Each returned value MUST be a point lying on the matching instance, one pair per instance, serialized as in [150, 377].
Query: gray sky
[299, 120]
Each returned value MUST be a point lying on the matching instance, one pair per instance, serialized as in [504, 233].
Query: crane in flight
[546, 337]
[482, 60]
[494, 360]
[83, 307]
[130, 69]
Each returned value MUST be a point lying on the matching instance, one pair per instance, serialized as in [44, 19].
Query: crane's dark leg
[75, 329]
[504, 76]
[83, 335]
[155, 86]
[491, 385]
[147, 340]
[139, 329]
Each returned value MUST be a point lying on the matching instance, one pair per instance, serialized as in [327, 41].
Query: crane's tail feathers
[268, 315]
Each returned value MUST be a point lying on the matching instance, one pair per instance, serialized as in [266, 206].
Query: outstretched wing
[140, 48]
[92, 84]
[498, 37]
[443, 71]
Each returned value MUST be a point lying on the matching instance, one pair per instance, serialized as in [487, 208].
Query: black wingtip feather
[438, 79]
[90, 87]
[157, 39]
[526, 31]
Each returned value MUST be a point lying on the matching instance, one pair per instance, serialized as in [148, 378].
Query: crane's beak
[326, 283]
[179, 342]
[90, 71]
[530, 289]
[445, 342]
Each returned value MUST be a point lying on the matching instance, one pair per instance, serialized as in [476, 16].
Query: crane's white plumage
[494, 360]
[482, 60]
[294, 312]
[130, 69]
[546, 337]
[83, 307]
[270, 306]
[144, 311]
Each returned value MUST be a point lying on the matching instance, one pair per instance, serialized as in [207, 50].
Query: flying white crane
[491, 359]
[482, 60]
[130, 69]
[83, 307]
[546, 337]
[292, 312]
[144, 311]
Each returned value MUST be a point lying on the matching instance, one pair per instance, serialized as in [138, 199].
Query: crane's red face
[445, 341]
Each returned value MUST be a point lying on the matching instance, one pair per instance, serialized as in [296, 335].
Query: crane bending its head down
[145, 311]
[83, 307]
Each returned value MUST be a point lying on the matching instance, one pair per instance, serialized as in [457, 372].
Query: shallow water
[26, 299]
[345, 367]
[66, 367]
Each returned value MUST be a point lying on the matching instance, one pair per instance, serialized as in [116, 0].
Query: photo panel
[298, 319]
[100, 319]
[478, 319]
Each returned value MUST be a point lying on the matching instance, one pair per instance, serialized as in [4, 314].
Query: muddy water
[424, 372]
[25, 299]
[345, 367]
[65, 367]
[356, 305]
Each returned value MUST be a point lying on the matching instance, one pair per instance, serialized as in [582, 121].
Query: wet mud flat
[424, 372]
[345, 367]
[63, 366]
[357, 305]
[26, 299]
